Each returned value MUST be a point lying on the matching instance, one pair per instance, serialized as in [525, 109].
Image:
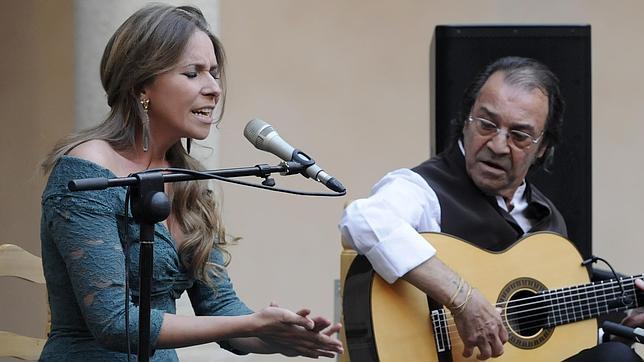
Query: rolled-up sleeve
[385, 226]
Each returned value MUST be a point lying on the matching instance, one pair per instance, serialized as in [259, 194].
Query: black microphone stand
[151, 205]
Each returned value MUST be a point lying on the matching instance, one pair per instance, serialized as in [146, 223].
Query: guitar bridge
[441, 330]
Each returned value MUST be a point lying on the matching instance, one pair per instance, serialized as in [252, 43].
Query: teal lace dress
[82, 236]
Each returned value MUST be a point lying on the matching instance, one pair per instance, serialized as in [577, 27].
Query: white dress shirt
[385, 226]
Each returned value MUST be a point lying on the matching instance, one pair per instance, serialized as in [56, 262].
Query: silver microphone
[264, 137]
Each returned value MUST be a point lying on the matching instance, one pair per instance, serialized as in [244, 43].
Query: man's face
[493, 162]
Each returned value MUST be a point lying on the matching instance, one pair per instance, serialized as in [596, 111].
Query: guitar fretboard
[581, 302]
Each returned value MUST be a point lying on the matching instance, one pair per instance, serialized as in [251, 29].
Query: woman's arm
[271, 330]
[274, 329]
[83, 229]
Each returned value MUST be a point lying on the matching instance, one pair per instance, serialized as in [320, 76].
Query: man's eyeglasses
[519, 139]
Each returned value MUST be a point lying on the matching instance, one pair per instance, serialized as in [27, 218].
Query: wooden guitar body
[397, 322]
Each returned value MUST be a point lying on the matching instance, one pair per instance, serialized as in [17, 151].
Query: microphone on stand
[264, 137]
[620, 330]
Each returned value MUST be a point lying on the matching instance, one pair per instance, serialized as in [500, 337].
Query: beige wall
[346, 81]
[36, 108]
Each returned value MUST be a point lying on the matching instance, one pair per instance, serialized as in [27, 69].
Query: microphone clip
[265, 173]
[624, 299]
[303, 159]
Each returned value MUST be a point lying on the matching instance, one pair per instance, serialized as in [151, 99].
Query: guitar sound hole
[527, 313]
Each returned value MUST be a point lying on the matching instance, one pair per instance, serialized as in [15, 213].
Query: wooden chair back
[19, 263]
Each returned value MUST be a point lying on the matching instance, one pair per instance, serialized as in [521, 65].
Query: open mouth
[204, 112]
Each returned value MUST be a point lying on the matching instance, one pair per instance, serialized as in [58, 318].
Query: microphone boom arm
[102, 183]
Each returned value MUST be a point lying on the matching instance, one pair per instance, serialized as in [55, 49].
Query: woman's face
[182, 99]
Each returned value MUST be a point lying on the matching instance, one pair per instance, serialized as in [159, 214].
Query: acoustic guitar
[548, 303]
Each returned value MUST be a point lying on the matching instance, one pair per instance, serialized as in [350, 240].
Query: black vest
[474, 216]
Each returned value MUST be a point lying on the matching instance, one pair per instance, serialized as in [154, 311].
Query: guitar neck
[581, 302]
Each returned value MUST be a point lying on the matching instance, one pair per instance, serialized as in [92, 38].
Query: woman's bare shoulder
[98, 151]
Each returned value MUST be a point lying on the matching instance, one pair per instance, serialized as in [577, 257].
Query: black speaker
[461, 52]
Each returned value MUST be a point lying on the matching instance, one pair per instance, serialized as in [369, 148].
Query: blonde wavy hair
[149, 43]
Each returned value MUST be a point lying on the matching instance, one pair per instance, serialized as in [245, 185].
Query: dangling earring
[188, 143]
[145, 102]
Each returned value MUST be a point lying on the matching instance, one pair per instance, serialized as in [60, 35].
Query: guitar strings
[583, 288]
[563, 294]
[527, 324]
[565, 304]
[570, 292]
[538, 322]
[557, 294]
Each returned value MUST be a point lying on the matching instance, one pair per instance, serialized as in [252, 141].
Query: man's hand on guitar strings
[479, 324]
[635, 317]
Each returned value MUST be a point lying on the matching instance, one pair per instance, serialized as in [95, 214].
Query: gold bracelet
[458, 290]
[460, 308]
